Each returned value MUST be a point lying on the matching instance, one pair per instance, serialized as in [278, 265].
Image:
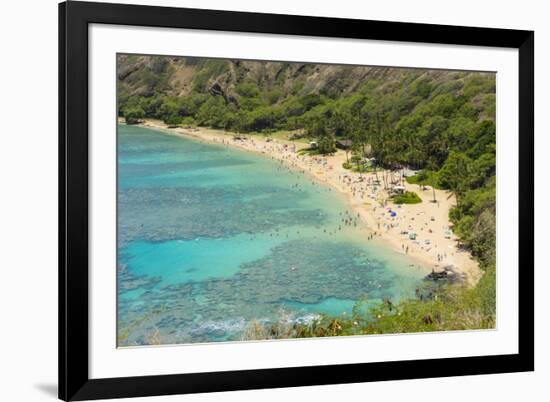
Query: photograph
[268, 200]
[278, 201]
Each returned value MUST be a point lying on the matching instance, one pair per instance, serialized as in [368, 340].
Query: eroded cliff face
[178, 76]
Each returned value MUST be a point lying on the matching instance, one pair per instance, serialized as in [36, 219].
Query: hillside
[274, 83]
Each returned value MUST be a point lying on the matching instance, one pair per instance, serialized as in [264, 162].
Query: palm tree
[377, 142]
[455, 174]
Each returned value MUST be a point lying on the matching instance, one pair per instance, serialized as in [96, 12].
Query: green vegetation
[409, 197]
[357, 166]
[133, 114]
[209, 68]
[444, 309]
[438, 122]
[423, 178]
[174, 120]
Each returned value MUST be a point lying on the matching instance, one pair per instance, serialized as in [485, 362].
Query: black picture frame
[74, 18]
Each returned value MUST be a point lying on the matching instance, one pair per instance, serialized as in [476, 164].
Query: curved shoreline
[431, 250]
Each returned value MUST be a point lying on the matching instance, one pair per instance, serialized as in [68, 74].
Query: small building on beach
[398, 190]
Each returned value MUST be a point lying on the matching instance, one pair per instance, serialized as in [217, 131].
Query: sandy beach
[434, 248]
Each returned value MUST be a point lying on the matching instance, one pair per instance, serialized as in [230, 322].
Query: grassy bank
[447, 308]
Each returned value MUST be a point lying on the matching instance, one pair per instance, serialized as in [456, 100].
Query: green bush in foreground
[409, 197]
[450, 308]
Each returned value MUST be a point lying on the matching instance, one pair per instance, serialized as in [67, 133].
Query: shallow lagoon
[212, 238]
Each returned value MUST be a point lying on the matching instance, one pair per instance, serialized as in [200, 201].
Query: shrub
[188, 121]
[326, 145]
[173, 120]
[409, 197]
[133, 115]
[248, 89]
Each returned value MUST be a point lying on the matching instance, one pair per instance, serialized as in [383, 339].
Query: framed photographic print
[256, 200]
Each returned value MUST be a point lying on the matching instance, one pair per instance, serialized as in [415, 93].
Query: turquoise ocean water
[211, 239]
